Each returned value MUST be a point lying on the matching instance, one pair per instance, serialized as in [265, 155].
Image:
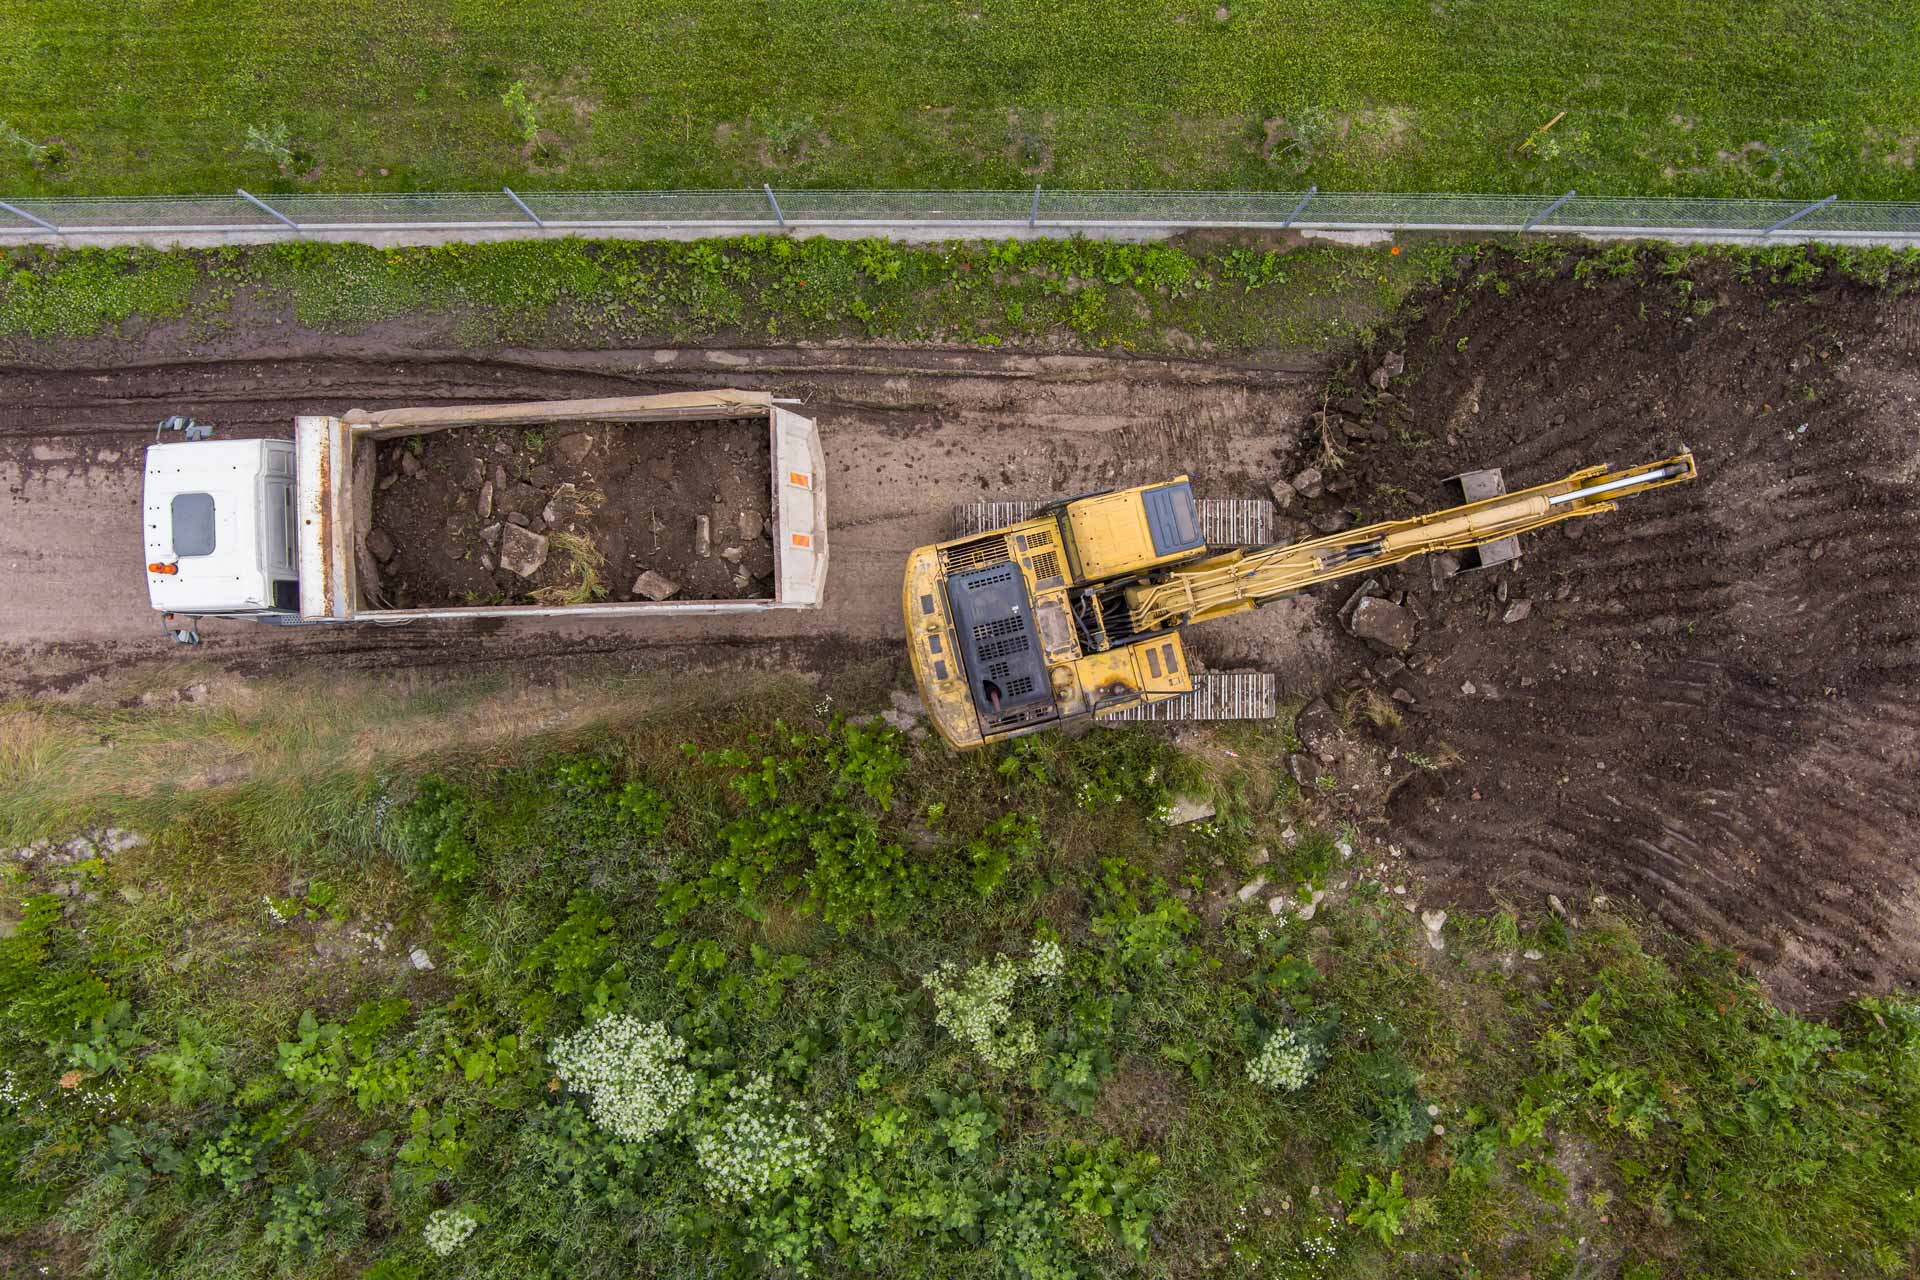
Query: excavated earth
[1708, 701]
[600, 504]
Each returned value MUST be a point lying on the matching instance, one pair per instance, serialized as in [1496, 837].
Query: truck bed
[693, 502]
[571, 513]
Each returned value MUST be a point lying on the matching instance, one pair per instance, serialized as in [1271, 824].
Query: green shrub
[435, 833]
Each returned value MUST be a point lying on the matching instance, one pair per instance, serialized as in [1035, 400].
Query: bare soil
[1712, 705]
[611, 501]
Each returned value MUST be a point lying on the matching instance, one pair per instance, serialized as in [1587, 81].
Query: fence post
[1302, 206]
[1033, 213]
[523, 208]
[1547, 212]
[269, 208]
[38, 222]
[1795, 217]
[777, 215]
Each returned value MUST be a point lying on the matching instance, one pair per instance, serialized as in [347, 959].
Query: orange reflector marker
[160, 566]
[799, 479]
[803, 540]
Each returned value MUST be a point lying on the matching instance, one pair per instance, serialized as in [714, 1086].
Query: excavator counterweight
[1076, 611]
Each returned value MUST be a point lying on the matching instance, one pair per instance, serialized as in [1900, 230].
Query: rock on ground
[104, 842]
[905, 713]
[562, 506]
[1382, 622]
[1190, 809]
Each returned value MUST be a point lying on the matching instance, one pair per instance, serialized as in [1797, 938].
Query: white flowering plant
[1286, 1061]
[976, 1008]
[447, 1230]
[1048, 960]
[632, 1073]
[759, 1143]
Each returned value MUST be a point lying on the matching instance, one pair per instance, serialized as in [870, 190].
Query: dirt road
[908, 433]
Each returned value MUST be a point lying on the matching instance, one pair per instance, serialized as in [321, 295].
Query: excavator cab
[1131, 531]
[1010, 631]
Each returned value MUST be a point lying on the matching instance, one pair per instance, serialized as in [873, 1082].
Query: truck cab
[220, 528]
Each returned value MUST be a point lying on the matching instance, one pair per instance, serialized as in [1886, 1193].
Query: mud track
[908, 433]
[1713, 703]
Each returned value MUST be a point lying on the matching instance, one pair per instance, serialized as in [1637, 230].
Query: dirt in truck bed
[1708, 701]
[574, 513]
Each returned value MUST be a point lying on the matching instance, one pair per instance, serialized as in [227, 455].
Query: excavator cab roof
[1132, 530]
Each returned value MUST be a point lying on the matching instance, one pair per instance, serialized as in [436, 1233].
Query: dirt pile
[595, 511]
[1709, 700]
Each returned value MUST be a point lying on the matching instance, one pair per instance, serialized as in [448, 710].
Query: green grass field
[1719, 97]
[986, 991]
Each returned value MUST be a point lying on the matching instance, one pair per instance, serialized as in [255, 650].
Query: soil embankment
[1710, 700]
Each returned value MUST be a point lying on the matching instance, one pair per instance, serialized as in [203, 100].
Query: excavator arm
[1216, 586]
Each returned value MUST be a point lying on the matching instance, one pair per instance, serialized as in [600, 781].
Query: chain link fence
[958, 212]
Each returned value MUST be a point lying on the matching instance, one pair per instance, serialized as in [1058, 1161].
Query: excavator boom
[1220, 585]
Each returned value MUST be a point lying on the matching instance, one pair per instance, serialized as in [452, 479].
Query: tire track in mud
[1712, 707]
[265, 384]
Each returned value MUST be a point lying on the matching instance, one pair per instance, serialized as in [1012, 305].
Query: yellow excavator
[1076, 611]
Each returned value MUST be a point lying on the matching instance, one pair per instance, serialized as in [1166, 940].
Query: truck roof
[201, 514]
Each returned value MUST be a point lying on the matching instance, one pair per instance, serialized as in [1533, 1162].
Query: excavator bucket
[1473, 486]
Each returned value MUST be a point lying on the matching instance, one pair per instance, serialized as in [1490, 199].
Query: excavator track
[1225, 522]
[1217, 695]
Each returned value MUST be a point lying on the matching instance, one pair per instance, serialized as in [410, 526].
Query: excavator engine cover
[993, 620]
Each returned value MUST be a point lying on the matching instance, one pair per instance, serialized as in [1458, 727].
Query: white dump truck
[282, 531]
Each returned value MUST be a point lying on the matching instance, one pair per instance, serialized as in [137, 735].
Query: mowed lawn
[1719, 97]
